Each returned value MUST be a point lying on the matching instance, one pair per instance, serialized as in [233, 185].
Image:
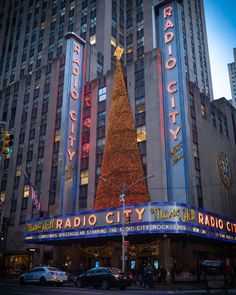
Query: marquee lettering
[76, 222]
[67, 223]
[140, 212]
[58, 223]
[170, 50]
[107, 218]
[167, 12]
[173, 116]
[175, 132]
[170, 64]
[168, 25]
[77, 48]
[169, 36]
[169, 86]
[73, 115]
[92, 220]
[74, 95]
[162, 217]
[211, 221]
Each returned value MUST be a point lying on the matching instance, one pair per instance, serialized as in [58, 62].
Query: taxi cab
[43, 275]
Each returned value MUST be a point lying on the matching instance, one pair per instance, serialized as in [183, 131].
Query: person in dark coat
[163, 274]
[149, 272]
[80, 270]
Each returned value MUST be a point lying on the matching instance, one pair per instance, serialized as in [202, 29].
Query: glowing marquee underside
[145, 218]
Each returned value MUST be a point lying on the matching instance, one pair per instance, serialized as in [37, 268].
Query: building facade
[181, 132]
[232, 78]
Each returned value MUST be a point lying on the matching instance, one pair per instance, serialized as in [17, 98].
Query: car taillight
[116, 276]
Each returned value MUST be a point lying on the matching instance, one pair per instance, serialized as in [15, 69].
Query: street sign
[124, 231]
[126, 243]
[32, 250]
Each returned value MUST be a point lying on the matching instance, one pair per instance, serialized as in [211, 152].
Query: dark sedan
[103, 277]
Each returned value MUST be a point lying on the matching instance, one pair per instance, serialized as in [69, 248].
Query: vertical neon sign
[70, 131]
[168, 40]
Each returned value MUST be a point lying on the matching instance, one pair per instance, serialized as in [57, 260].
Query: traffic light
[7, 142]
[2, 236]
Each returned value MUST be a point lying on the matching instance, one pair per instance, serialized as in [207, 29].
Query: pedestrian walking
[163, 274]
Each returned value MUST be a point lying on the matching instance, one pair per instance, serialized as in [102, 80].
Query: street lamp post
[122, 200]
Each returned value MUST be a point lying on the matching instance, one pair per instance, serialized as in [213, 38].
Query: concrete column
[115, 256]
[76, 257]
[165, 257]
[38, 258]
[58, 255]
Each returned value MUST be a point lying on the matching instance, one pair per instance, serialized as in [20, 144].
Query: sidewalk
[173, 286]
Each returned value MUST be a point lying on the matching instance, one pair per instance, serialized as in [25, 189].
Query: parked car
[43, 275]
[103, 277]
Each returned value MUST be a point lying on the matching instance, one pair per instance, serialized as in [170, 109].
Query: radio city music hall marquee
[143, 219]
[71, 116]
[173, 100]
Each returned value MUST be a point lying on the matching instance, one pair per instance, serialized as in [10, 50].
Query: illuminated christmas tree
[121, 165]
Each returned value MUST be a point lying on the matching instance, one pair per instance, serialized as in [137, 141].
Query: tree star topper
[118, 52]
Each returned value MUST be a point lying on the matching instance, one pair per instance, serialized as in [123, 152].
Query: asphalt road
[15, 289]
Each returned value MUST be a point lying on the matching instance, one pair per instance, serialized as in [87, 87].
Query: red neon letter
[173, 115]
[70, 154]
[87, 122]
[175, 133]
[167, 11]
[73, 115]
[172, 102]
[72, 140]
[75, 71]
[169, 36]
[88, 101]
[76, 60]
[170, 63]
[74, 94]
[169, 90]
[77, 48]
[168, 25]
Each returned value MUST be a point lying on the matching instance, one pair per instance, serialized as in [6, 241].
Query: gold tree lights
[121, 165]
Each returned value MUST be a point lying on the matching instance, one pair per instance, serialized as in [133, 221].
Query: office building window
[84, 177]
[102, 93]
[92, 40]
[83, 196]
[100, 144]
[101, 119]
[203, 110]
[141, 133]
[26, 191]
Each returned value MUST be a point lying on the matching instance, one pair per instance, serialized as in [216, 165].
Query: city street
[15, 289]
